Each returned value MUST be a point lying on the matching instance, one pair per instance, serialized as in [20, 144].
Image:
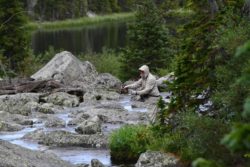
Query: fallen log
[13, 86]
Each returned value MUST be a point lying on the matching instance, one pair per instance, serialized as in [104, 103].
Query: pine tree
[195, 72]
[147, 41]
[238, 138]
[13, 38]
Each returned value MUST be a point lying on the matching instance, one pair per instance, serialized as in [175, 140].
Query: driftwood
[13, 86]
[25, 85]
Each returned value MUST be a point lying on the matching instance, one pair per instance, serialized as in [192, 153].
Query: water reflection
[87, 39]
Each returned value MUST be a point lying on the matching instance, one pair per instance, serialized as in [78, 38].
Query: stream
[75, 155]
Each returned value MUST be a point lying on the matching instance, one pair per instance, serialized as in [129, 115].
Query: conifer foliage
[196, 63]
[147, 41]
[13, 39]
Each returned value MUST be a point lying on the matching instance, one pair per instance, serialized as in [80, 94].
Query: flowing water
[75, 155]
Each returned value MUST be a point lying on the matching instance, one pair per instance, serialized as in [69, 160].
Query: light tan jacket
[147, 84]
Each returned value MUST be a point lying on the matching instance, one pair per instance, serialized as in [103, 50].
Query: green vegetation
[147, 41]
[238, 140]
[81, 21]
[201, 162]
[59, 9]
[106, 62]
[207, 63]
[205, 43]
[187, 136]
[36, 62]
[13, 37]
[51, 10]
[128, 143]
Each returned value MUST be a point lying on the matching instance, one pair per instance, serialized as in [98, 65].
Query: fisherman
[146, 86]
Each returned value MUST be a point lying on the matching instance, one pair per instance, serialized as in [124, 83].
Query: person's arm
[134, 85]
[149, 86]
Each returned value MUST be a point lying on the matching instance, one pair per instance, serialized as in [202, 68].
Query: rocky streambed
[75, 134]
[67, 127]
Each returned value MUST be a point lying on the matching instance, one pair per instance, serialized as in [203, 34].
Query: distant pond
[86, 39]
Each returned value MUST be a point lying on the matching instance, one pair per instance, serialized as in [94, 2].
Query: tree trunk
[214, 8]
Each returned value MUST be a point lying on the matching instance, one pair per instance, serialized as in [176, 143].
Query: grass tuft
[81, 21]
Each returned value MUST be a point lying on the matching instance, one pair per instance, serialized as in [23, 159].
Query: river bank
[81, 21]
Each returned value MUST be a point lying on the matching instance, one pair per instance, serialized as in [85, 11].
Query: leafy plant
[127, 143]
[106, 62]
[201, 162]
[190, 138]
[36, 62]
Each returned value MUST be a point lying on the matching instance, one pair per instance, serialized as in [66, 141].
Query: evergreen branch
[6, 21]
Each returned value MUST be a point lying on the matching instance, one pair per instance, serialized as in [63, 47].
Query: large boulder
[157, 159]
[21, 103]
[12, 155]
[66, 68]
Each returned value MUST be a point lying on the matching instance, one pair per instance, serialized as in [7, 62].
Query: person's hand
[126, 87]
[133, 92]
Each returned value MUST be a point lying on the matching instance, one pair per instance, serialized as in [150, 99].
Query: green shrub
[201, 162]
[188, 136]
[239, 138]
[192, 137]
[127, 143]
[106, 62]
[33, 63]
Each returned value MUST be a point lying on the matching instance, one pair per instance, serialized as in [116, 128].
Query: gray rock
[109, 105]
[148, 103]
[99, 95]
[46, 108]
[66, 68]
[62, 99]
[25, 122]
[15, 118]
[108, 81]
[9, 127]
[96, 163]
[54, 122]
[91, 126]
[80, 117]
[82, 165]
[12, 155]
[116, 115]
[168, 78]
[21, 103]
[37, 135]
[157, 159]
[63, 138]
